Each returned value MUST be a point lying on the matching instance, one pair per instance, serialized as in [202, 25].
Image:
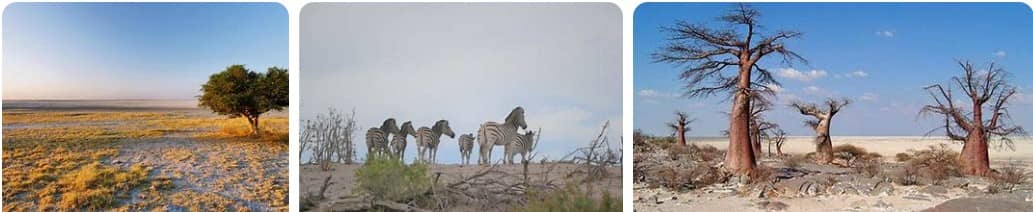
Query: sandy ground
[224, 172]
[887, 146]
[344, 177]
[905, 198]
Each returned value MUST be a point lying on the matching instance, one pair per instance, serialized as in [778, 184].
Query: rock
[881, 189]
[882, 205]
[934, 189]
[772, 205]
[859, 204]
[981, 204]
[918, 196]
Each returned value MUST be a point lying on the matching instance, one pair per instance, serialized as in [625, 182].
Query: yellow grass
[62, 164]
[48, 117]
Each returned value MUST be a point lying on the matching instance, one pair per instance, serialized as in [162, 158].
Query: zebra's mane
[406, 125]
[389, 125]
[438, 125]
[515, 115]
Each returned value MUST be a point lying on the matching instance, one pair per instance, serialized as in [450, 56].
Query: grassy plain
[141, 160]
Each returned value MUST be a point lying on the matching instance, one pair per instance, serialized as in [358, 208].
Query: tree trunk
[681, 136]
[755, 136]
[975, 157]
[253, 122]
[823, 141]
[740, 158]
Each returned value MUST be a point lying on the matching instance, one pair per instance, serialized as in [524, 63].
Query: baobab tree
[680, 125]
[973, 126]
[759, 126]
[704, 54]
[821, 124]
[776, 138]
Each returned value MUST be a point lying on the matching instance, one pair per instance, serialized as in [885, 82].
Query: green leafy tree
[239, 92]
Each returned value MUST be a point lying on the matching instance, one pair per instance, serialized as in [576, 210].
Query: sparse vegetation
[794, 161]
[330, 138]
[386, 178]
[935, 164]
[570, 199]
[67, 160]
[1007, 177]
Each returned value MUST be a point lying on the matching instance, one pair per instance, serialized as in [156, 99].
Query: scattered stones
[772, 205]
[882, 205]
[981, 204]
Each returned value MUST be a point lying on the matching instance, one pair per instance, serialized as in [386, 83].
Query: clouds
[1000, 53]
[654, 93]
[853, 74]
[804, 76]
[885, 33]
[867, 96]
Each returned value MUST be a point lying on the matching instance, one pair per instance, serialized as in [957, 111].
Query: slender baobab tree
[975, 127]
[759, 127]
[778, 137]
[680, 125]
[821, 123]
[704, 53]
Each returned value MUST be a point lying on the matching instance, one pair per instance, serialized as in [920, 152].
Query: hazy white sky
[466, 63]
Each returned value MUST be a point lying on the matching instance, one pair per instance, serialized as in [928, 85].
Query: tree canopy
[238, 92]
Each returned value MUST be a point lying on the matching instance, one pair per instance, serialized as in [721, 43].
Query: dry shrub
[869, 167]
[907, 176]
[706, 153]
[794, 161]
[852, 155]
[697, 153]
[937, 163]
[762, 175]
[695, 176]
[1006, 178]
[571, 198]
[677, 152]
[828, 182]
[903, 157]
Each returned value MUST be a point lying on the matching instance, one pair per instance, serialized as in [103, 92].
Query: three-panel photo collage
[517, 106]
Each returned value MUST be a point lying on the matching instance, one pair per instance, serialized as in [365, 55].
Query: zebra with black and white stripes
[376, 138]
[523, 145]
[398, 142]
[465, 147]
[429, 138]
[494, 133]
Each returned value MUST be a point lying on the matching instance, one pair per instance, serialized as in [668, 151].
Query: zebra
[398, 142]
[493, 133]
[523, 145]
[466, 147]
[428, 139]
[376, 138]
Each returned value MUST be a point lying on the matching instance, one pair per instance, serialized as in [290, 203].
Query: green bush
[386, 178]
[570, 198]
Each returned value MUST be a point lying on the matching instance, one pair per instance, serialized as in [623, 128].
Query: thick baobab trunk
[823, 142]
[740, 158]
[681, 136]
[975, 157]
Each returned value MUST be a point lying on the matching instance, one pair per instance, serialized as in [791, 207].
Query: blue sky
[877, 54]
[134, 50]
[467, 63]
